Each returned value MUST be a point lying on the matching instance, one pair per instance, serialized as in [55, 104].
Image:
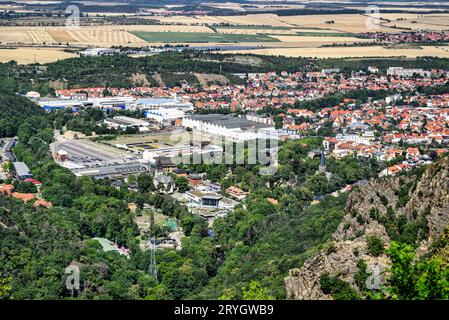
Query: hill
[397, 225]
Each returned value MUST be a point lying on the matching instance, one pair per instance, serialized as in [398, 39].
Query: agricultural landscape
[290, 28]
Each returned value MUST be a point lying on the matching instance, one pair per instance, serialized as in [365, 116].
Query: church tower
[322, 166]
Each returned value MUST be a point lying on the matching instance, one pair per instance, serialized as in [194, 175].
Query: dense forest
[13, 111]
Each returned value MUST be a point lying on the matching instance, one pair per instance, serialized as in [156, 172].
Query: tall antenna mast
[152, 268]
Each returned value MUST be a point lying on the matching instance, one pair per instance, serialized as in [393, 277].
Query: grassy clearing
[192, 37]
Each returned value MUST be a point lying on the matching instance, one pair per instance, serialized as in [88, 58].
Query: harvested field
[31, 55]
[434, 22]
[99, 36]
[251, 19]
[352, 23]
[357, 52]
[192, 37]
[320, 40]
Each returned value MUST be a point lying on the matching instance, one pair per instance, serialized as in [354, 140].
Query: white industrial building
[102, 103]
[157, 103]
[122, 122]
[228, 126]
[164, 110]
[164, 115]
[93, 52]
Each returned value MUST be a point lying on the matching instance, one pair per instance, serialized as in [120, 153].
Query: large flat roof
[228, 121]
[21, 169]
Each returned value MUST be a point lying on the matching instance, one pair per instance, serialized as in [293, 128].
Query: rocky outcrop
[428, 196]
[432, 194]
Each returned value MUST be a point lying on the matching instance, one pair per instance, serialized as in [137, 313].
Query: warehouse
[164, 110]
[228, 126]
[122, 122]
[111, 170]
[164, 115]
[164, 103]
[107, 104]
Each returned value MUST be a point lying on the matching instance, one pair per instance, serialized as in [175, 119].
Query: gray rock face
[348, 243]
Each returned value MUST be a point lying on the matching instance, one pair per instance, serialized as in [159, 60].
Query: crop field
[318, 41]
[244, 20]
[32, 55]
[193, 37]
[354, 52]
[308, 35]
[98, 35]
[418, 22]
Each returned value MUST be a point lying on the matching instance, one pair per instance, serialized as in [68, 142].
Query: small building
[204, 199]
[62, 155]
[42, 203]
[33, 181]
[180, 173]
[236, 192]
[194, 179]
[6, 189]
[25, 197]
[163, 183]
[22, 170]
[164, 164]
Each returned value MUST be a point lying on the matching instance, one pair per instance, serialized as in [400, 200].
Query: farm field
[250, 19]
[356, 52]
[31, 55]
[98, 35]
[416, 22]
[320, 40]
[192, 37]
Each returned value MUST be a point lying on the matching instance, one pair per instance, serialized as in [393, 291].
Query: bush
[339, 289]
[383, 200]
[361, 274]
[375, 246]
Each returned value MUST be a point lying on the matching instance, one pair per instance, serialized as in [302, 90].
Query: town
[406, 127]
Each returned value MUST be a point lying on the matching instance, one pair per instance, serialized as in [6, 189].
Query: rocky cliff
[412, 208]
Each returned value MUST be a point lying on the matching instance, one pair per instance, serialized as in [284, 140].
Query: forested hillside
[13, 111]
[175, 68]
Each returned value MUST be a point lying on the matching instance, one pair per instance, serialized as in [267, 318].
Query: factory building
[164, 103]
[164, 115]
[94, 52]
[111, 170]
[229, 126]
[106, 104]
[164, 110]
[122, 122]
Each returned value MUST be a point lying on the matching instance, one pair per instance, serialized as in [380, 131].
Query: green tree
[255, 291]
[5, 287]
[374, 246]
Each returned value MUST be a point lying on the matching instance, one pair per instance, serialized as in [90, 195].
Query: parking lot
[91, 154]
